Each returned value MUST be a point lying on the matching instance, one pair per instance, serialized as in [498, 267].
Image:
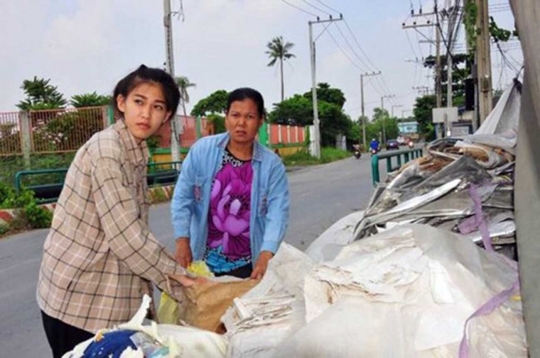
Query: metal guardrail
[402, 156]
[49, 192]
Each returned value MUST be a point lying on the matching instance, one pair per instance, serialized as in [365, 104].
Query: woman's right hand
[182, 253]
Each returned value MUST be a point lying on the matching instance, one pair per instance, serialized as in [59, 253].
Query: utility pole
[316, 123]
[382, 107]
[430, 23]
[483, 61]
[438, 91]
[175, 125]
[362, 75]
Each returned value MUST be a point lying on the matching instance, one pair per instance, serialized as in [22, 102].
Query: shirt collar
[257, 150]
[137, 153]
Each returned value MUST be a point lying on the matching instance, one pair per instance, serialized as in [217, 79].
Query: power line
[328, 7]
[299, 9]
[343, 52]
[351, 47]
[317, 8]
[360, 47]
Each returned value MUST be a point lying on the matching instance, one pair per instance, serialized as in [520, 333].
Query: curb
[156, 195]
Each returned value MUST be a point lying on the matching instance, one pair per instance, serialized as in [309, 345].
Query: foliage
[90, 100]
[296, 110]
[153, 142]
[423, 113]
[279, 50]
[183, 85]
[218, 121]
[332, 123]
[13, 164]
[40, 94]
[10, 138]
[29, 215]
[36, 216]
[214, 103]
[328, 94]
[64, 131]
[303, 157]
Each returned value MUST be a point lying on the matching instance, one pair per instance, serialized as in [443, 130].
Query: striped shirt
[100, 258]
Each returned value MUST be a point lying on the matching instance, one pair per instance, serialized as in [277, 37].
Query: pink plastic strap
[480, 222]
[486, 309]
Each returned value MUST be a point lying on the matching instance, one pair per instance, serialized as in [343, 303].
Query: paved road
[319, 196]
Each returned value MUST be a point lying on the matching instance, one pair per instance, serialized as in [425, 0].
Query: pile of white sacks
[412, 291]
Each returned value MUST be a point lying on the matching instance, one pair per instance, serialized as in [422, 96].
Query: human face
[243, 121]
[144, 110]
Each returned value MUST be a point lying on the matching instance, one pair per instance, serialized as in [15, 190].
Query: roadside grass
[303, 158]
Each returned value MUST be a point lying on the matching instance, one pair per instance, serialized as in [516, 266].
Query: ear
[121, 103]
[168, 117]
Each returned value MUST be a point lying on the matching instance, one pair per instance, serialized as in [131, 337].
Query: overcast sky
[88, 45]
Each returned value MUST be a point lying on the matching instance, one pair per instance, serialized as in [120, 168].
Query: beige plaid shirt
[100, 257]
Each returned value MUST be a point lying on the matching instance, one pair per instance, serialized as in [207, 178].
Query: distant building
[408, 127]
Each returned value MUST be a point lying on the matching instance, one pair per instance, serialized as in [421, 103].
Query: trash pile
[463, 185]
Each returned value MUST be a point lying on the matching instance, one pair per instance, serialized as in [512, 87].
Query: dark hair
[144, 74]
[243, 93]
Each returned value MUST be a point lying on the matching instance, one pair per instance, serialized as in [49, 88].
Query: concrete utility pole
[362, 75]
[483, 61]
[175, 125]
[382, 107]
[438, 90]
[430, 23]
[316, 123]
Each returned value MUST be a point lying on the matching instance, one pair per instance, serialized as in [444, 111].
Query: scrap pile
[463, 185]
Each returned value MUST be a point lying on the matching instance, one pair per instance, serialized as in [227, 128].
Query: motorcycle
[374, 151]
[357, 154]
[411, 144]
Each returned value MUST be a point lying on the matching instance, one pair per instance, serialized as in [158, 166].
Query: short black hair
[243, 93]
[145, 74]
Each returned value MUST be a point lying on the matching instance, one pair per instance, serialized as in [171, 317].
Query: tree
[296, 110]
[40, 95]
[328, 94]
[423, 114]
[214, 103]
[183, 85]
[89, 100]
[278, 49]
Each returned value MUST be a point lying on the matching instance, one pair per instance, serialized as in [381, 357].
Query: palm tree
[279, 50]
[183, 85]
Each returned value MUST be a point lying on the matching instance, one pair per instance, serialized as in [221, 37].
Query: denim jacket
[269, 196]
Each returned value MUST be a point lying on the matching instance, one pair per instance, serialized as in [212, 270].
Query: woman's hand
[262, 264]
[182, 253]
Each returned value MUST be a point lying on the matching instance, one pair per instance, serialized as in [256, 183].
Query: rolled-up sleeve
[277, 216]
[129, 237]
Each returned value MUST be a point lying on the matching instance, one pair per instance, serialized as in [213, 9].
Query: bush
[4, 229]
[36, 217]
[332, 154]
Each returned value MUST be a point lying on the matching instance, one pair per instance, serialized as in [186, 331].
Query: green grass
[303, 158]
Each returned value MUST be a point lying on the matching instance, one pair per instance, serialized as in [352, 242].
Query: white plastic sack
[407, 293]
[182, 341]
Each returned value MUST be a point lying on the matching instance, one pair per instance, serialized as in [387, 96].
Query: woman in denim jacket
[231, 204]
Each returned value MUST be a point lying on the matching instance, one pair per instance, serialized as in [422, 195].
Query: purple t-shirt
[228, 246]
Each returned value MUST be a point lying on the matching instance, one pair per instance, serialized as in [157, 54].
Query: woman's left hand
[261, 265]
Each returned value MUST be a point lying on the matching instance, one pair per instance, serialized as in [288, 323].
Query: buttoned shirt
[100, 257]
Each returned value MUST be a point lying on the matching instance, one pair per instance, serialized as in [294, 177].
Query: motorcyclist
[374, 145]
